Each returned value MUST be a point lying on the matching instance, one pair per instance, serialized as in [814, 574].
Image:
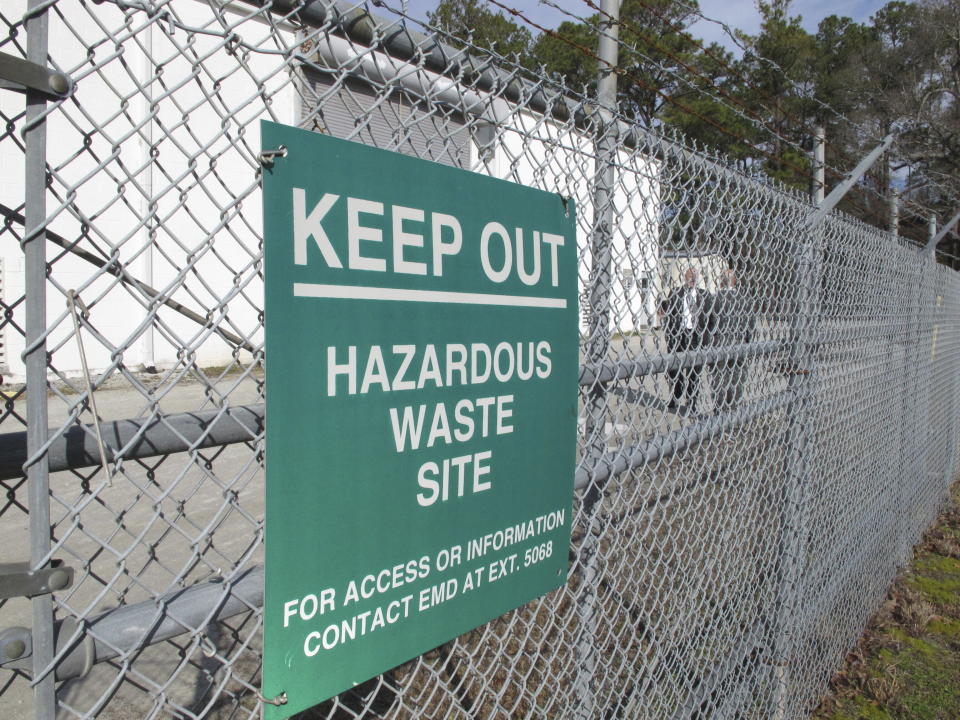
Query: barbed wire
[805, 127]
[634, 49]
[734, 37]
[859, 129]
[864, 198]
[804, 172]
[481, 50]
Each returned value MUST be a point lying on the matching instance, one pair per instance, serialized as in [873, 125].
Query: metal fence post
[802, 343]
[930, 250]
[951, 460]
[949, 333]
[934, 237]
[917, 460]
[894, 211]
[35, 356]
[148, 206]
[908, 407]
[797, 474]
[926, 308]
[928, 258]
[598, 344]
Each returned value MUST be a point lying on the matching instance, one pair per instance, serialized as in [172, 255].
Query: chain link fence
[768, 404]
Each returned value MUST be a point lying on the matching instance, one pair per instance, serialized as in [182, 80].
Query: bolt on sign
[422, 349]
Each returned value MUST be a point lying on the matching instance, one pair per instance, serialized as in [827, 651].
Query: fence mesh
[768, 410]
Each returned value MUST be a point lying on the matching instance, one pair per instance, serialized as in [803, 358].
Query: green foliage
[837, 67]
[714, 111]
[570, 54]
[657, 49]
[473, 21]
[860, 80]
[654, 54]
[947, 628]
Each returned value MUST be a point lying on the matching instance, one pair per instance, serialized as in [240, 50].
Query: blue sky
[743, 15]
[740, 14]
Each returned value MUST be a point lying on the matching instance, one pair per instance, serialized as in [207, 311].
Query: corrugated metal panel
[384, 117]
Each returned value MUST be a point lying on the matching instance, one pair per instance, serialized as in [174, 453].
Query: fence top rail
[545, 96]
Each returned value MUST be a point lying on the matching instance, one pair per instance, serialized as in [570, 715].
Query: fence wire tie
[280, 699]
[207, 646]
[266, 157]
[72, 302]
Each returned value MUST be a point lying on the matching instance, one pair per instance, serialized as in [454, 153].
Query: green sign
[421, 335]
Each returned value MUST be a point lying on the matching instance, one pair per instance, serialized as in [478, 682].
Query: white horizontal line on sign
[352, 292]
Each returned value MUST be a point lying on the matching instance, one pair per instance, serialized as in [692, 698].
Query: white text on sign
[411, 241]
[419, 426]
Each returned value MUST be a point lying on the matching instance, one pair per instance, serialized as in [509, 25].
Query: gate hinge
[17, 580]
[22, 75]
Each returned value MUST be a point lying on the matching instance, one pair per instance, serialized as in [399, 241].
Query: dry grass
[907, 663]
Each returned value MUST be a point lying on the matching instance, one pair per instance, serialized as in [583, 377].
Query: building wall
[486, 134]
[204, 239]
[536, 152]
[185, 217]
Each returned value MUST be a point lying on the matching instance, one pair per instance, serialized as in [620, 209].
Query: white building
[185, 218]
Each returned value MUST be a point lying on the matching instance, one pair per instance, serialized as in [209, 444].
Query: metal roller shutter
[384, 118]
